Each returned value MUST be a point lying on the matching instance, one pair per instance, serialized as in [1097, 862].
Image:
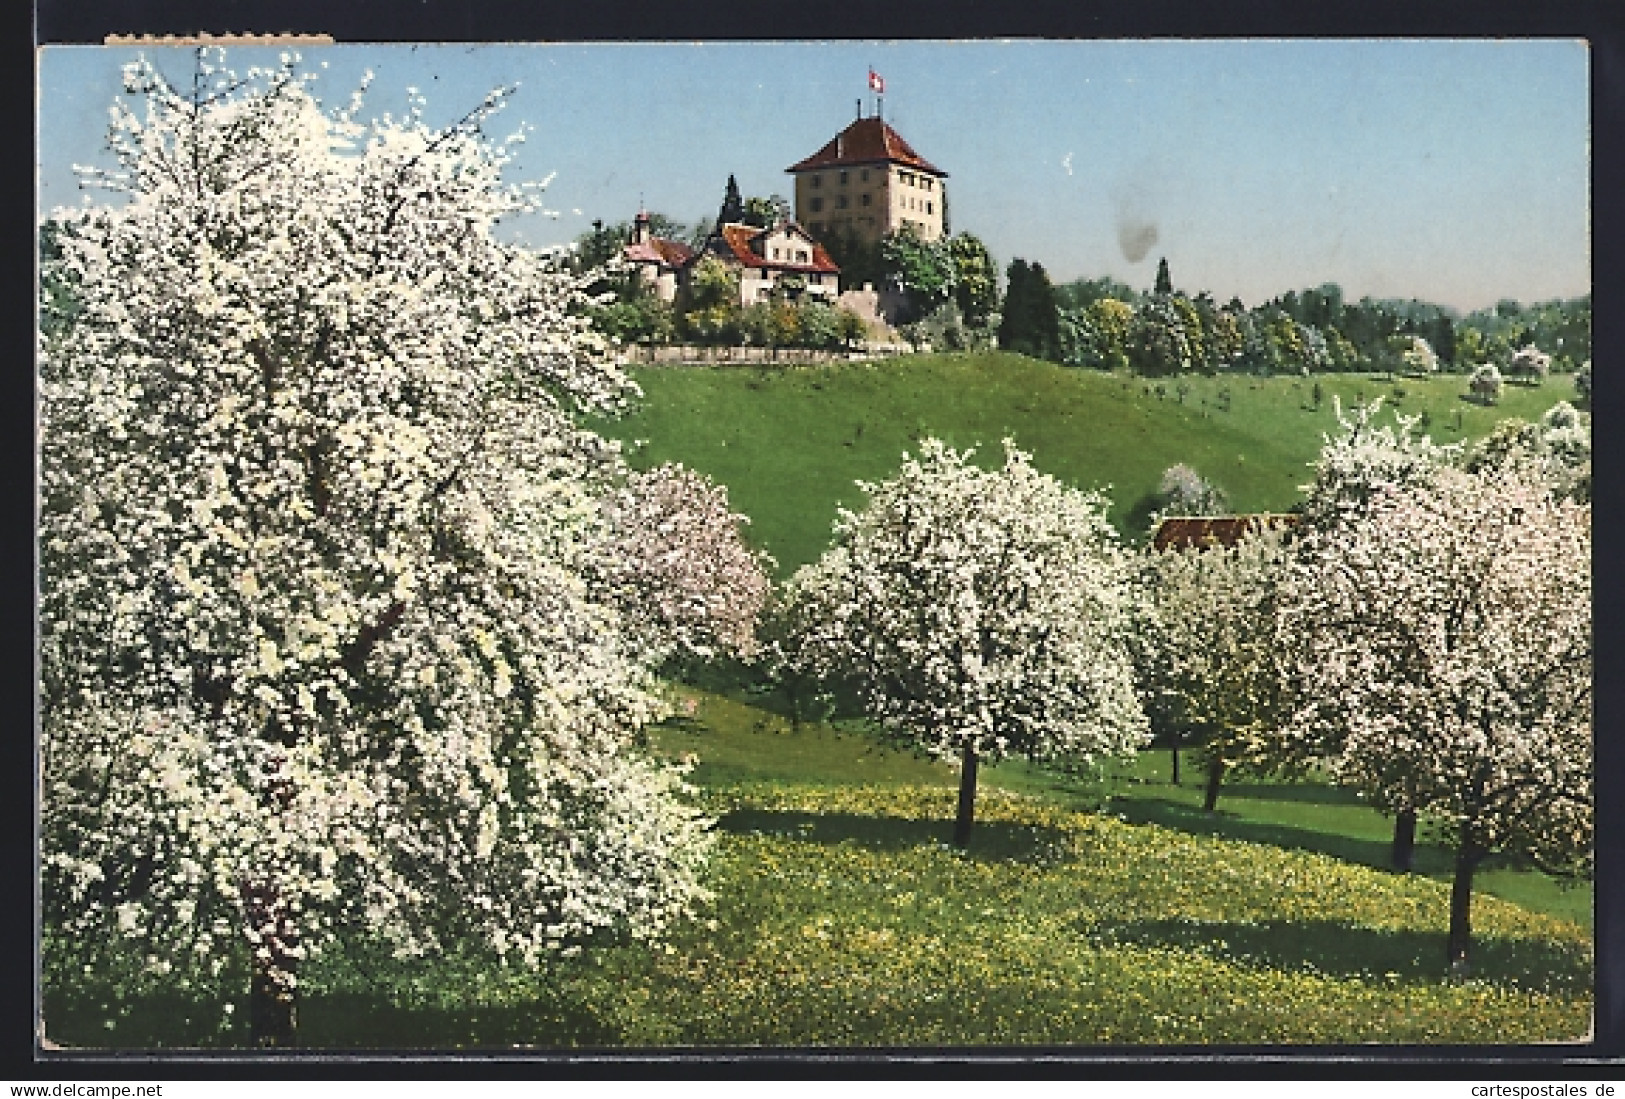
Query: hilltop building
[867, 182]
[658, 261]
[784, 258]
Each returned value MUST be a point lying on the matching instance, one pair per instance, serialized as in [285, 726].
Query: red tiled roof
[672, 253]
[867, 141]
[1219, 530]
[735, 241]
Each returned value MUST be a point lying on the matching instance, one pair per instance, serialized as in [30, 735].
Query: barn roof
[1186, 532]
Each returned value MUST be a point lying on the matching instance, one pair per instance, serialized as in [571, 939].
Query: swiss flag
[876, 83]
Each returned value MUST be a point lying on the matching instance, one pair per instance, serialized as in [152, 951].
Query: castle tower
[867, 182]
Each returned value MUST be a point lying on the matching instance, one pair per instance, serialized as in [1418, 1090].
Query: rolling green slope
[790, 441]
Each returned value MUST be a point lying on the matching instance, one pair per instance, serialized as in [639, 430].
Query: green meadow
[789, 441]
[1087, 912]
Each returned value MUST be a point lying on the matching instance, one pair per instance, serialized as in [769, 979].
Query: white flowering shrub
[1419, 357]
[979, 614]
[317, 646]
[1443, 648]
[676, 562]
[1217, 652]
[1485, 383]
[1183, 491]
[1363, 457]
[1529, 364]
[1556, 450]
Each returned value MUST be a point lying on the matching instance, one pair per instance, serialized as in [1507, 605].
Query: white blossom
[979, 614]
[317, 635]
[1443, 648]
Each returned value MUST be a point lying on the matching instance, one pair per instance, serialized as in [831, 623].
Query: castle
[864, 183]
[867, 182]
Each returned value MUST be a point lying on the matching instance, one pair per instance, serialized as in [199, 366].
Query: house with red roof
[778, 260]
[866, 182]
[783, 260]
[658, 261]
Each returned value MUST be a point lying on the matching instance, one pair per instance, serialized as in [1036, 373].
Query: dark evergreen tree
[1031, 323]
[1165, 284]
[733, 206]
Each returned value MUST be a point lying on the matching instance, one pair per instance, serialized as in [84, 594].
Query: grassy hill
[789, 441]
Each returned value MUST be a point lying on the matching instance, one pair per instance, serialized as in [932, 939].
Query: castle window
[864, 175]
[817, 181]
[840, 202]
[816, 205]
[928, 208]
[866, 198]
[843, 178]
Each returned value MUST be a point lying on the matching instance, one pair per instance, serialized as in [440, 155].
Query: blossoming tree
[674, 560]
[979, 614]
[1215, 649]
[1362, 460]
[1444, 646]
[1555, 449]
[319, 646]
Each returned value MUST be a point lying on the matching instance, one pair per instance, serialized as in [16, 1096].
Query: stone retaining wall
[696, 355]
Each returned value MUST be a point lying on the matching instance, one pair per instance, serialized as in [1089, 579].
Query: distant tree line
[951, 299]
[1107, 324]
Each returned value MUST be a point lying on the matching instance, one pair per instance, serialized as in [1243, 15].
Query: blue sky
[1453, 171]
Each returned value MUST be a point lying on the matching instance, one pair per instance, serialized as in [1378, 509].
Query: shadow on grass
[989, 839]
[1343, 951]
[330, 1021]
[1313, 793]
[363, 1021]
[1196, 821]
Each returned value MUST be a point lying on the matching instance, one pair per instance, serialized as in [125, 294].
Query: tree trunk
[273, 995]
[967, 799]
[1404, 840]
[1215, 775]
[1458, 945]
[1174, 736]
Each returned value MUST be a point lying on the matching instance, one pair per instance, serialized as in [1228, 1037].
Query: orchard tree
[978, 614]
[1362, 461]
[1417, 356]
[1444, 648]
[1218, 654]
[1556, 450]
[1485, 384]
[674, 561]
[318, 646]
[1366, 456]
[1529, 364]
[1183, 491]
